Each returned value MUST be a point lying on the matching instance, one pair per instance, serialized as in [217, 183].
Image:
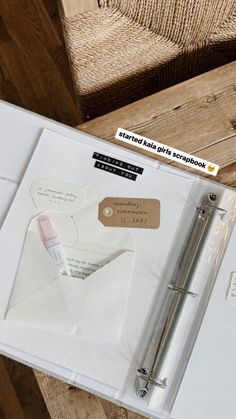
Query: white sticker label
[168, 152]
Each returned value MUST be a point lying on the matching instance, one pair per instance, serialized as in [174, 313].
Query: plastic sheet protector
[108, 260]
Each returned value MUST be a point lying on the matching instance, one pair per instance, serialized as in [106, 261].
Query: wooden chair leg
[9, 403]
[20, 395]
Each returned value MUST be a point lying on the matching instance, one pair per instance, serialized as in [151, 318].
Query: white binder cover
[84, 344]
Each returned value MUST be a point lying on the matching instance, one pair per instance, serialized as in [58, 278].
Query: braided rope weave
[126, 50]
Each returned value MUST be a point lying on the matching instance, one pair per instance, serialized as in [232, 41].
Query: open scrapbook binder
[123, 324]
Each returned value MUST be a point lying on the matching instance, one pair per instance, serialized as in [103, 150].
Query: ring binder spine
[149, 377]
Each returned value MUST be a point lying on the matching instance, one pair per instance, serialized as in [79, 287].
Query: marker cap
[48, 233]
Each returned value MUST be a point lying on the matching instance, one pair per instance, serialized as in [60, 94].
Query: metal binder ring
[181, 290]
[149, 380]
[202, 206]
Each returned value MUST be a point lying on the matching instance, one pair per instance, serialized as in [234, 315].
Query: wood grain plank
[223, 152]
[10, 405]
[116, 412]
[52, 8]
[191, 115]
[26, 390]
[66, 402]
[197, 116]
[228, 175]
[56, 47]
[15, 87]
[34, 63]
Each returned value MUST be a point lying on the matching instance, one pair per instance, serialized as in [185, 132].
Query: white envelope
[94, 306]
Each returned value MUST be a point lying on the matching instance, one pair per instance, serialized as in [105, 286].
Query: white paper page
[7, 193]
[20, 132]
[64, 160]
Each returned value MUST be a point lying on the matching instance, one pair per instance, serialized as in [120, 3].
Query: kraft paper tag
[129, 212]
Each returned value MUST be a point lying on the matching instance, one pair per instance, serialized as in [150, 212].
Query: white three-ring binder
[141, 315]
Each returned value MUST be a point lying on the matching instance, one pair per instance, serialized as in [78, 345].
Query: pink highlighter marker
[53, 244]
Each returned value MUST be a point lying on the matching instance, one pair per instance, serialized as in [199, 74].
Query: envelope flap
[36, 270]
[97, 304]
[101, 286]
[93, 307]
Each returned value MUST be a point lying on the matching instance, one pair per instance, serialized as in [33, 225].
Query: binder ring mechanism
[205, 213]
[174, 288]
[208, 206]
[146, 376]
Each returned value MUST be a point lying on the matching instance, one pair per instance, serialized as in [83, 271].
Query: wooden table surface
[198, 117]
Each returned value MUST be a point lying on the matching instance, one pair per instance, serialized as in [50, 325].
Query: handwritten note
[49, 195]
[83, 263]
